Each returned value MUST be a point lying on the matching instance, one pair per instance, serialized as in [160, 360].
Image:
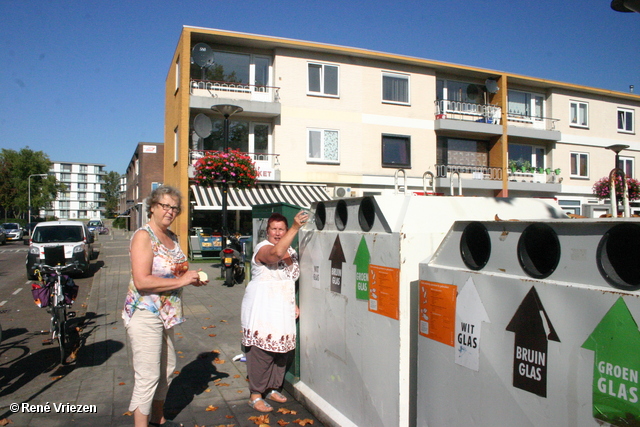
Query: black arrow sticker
[337, 258]
[533, 330]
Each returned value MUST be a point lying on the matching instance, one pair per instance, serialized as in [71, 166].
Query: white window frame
[628, 163]
[530, 99]
[177, 69]
[395, 76]
[629, 116]
[579, 155]
[577, 105]
[322, 91]
[252, 139]
[176, 149]
[322, 158]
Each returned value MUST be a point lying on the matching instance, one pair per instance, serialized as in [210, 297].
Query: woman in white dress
[269, 311]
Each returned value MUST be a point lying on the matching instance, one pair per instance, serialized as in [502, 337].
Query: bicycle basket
[41, 294]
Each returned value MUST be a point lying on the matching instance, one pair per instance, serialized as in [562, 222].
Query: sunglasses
[166, 207]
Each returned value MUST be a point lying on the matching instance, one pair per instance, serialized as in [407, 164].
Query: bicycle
[58, 301]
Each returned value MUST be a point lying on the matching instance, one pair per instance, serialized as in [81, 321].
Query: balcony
[213, 89]
[268, 165]
[476, 118]
[490, 178]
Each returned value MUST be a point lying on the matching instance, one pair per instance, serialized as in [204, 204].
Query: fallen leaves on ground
[282, 422]
[260, 419]
[287, 411]
[128, 413]
[236, 376]
[303, 422]
[212, 335]
[218, 361]
[121, 383]
[5, 421]
[176, 372]
[208, 390]
[222, 385]
[211, 408]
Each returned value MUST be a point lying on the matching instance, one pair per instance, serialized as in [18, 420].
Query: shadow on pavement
[192, 380]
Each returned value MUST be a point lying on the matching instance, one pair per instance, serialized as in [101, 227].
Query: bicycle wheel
[60, 323]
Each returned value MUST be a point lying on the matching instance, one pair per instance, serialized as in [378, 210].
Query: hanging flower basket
[601, 189]
[233, 168]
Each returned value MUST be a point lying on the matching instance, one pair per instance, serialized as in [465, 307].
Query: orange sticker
[438, 311]
[384, 291]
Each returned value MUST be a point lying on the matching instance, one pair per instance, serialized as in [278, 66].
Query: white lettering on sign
[530, 358]
[618, 388]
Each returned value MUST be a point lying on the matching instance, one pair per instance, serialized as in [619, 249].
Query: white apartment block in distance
[84, 198]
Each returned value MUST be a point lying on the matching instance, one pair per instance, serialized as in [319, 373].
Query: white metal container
[531, 324]
[359, 299]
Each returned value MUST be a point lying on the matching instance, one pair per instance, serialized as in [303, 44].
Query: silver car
[13, 230]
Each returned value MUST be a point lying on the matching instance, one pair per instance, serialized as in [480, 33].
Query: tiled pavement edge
[206, 344]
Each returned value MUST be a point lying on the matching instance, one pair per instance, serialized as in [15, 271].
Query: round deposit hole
[475, 246]
[341, 215]
[366, 214]
[539, 250]
[618, 255]
[321, 215]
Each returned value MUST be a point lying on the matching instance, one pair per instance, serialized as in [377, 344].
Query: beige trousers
[154, 359]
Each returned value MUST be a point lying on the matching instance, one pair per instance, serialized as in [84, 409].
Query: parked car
[97, 226]
[73, 235]
[3, 236]
[13, 230]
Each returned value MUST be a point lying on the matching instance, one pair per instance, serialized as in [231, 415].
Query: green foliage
[119, 222]
[111, 189]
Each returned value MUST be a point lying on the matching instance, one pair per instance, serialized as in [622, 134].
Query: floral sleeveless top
[167, 263]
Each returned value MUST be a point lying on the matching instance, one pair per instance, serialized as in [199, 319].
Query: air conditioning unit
[341, 192]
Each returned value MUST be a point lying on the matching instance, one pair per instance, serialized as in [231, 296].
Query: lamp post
[617, 148]
[227, 110]
[29, 193]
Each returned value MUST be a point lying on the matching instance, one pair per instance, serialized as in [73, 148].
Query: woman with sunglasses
[153, 306]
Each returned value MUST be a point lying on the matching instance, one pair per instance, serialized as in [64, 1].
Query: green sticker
[361, 262]
[615, 342]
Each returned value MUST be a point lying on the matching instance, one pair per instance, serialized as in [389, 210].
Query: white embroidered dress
[269, 304]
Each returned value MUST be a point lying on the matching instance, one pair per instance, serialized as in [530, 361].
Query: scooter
[232, 262]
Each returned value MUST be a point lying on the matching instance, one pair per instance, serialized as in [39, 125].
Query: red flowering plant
[602, 188]
[234, 168]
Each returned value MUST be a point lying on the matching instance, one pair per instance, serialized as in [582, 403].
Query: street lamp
[227, 110]
[617, 148]
[29, 192]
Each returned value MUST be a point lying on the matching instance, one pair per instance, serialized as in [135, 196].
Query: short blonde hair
[159, 193]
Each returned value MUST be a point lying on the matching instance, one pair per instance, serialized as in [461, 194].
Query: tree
[111, 193]
[15, 169]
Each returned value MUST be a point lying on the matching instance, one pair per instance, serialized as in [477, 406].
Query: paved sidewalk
[210, 389]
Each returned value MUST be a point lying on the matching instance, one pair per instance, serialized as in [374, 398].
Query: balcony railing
[495, 174]
[469, 111]
[239, 90]
[545, 123]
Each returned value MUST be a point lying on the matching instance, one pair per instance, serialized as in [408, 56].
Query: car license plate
[206, 244]
[227, 260]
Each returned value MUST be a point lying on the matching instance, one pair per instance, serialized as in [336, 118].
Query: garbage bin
[359, 298]
[531, 323]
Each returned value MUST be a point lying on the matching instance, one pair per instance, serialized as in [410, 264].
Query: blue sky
[83, 81]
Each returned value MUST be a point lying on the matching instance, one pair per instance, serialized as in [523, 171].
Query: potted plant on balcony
[601, 189]
[233, 168]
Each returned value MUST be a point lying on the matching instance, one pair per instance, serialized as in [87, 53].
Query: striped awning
[210, 198]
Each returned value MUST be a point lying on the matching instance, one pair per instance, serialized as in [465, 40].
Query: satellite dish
[202, 55]
[472, 92]
[492, 86]
[202, 125]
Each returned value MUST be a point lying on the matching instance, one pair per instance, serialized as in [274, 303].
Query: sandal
[254, 402]
[166, 423]
[276, 396]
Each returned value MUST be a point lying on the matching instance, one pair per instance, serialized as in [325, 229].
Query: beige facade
[351, 118]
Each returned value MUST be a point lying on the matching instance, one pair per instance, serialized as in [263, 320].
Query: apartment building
[84, 198]
[144, 173]
[355, 122]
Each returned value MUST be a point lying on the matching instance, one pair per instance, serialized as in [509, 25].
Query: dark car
[96, 226]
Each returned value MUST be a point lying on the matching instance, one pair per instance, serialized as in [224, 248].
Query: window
[579, 114]
[65, 167]
[625, 120]
[395, 88]
[570, 206]
[176, 150]
[177, 70]
[155, 185]
[527, 105]
[239, 68]
[323, 79]
[396, 151]
[579, 165]
[528, 156]
[627, 165]
[323, 145]
[462, 152]
[65, 177]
